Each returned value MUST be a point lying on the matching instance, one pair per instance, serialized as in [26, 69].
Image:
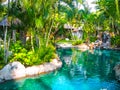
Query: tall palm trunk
[5, 45]
[5, 37]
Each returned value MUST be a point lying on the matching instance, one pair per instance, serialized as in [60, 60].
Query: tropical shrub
[45, 54]
[1, 54]
[93, 39]
[77, 42]
[16, 47]
[29, 57]
[1, 58]
[23, 56]
[115, 41]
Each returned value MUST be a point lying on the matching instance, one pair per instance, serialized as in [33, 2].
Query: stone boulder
[44, 68]
[83, 47]
[49, 67]
[12, 71]
[91, 46]
[56, 63]
[33, 70]
[64, 45]
[117, 71]
[16, 70]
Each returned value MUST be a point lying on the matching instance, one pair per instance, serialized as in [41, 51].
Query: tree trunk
[32, 43]
[37, 40]
[14, 36]
[23, 37]
[5, 45]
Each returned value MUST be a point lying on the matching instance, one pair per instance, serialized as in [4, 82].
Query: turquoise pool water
[89, 70]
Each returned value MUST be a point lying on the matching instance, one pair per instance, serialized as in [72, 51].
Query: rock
[91, 46]
[117, 71]
[64, 45]
[5, 73]
[41, 69]
[12, 71]
[30, 71]
[83, 47]
[16, 70]
[97, 43]
[1, 80]
[49, 67]
[56, 63]
[46, 67]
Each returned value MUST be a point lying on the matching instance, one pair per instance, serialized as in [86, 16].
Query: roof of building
[68, 26]
[5, 22]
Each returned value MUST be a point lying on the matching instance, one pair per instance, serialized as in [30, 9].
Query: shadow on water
[26, 84]
[35, 84]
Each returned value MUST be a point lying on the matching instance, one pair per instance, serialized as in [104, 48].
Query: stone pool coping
[16, 70]
[82, 47]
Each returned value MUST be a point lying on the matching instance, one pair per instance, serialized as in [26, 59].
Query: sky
[91, 6]
[89, 2]
[6, 2]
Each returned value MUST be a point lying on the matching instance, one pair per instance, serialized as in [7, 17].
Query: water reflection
[88, 70]
[88, 64]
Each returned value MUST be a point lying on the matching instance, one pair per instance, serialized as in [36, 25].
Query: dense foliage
[28, 57]
[34, 26]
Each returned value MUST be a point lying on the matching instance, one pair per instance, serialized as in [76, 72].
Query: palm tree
[106, 7]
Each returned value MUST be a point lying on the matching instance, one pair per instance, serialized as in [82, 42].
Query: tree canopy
[37, 24]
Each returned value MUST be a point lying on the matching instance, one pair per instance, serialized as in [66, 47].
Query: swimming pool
[88, 70]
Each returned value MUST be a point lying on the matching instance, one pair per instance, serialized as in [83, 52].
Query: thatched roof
[5, 22]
